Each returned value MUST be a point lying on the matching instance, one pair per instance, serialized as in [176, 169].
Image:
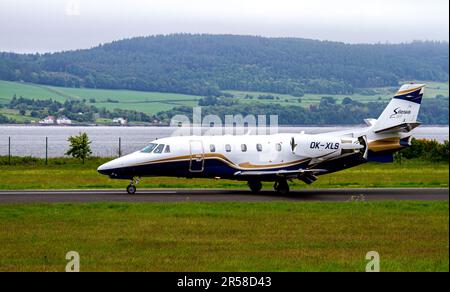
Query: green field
[8, 89]
[154, 102]
[36, 175]
[437, 88]
[147, 102]
[15, 116]
[275, 236]
[381, 94]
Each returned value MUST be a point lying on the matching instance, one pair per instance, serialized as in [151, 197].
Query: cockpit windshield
[159, 149]
[149, 148]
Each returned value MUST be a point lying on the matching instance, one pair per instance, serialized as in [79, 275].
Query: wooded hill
[207, 64]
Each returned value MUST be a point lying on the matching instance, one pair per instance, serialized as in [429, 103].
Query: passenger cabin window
[278, 146]
[259, 147]
[212, 148]
[228, 148]
[159, 149]
[167, 150]
[244, 148]
[149, 148]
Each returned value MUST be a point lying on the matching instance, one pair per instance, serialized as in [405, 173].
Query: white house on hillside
[50, 120]
[63, 121]
[120, 121]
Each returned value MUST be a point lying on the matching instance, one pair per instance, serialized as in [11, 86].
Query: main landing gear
[282, 187]
[255, 186]
[131, 188]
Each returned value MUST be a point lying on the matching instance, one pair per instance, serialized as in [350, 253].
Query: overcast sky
[55, 25]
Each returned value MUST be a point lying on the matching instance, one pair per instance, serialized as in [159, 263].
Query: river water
[30, 140]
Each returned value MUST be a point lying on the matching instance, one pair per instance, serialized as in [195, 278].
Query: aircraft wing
[280, 172]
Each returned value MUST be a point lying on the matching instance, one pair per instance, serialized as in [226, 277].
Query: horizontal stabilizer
[370, 122]
[405, 127]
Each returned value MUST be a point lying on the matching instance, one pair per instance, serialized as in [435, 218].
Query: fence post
[46, 150]
[120, 147]
[9, 150]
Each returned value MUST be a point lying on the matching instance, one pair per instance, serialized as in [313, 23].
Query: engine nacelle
[323, 146]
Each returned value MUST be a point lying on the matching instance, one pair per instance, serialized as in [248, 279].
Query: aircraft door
[197, 162]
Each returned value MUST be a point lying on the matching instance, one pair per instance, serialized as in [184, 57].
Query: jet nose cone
[121, 167]
[104, 169]
[113, 168]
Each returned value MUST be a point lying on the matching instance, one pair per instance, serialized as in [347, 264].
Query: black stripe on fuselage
[213, 167]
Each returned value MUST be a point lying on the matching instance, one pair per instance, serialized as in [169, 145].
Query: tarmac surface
[213, 195]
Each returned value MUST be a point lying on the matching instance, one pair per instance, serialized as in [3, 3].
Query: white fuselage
[277, 157]
[243, 153]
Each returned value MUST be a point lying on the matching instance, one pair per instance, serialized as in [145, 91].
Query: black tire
[131, 190]
[255, 186]
[282, 187]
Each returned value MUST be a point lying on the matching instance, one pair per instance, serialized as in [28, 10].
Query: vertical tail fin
[401, 113]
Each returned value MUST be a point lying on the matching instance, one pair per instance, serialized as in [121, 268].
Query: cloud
[73, 8]
[52, 25]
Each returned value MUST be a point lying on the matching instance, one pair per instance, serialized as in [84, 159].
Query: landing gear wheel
[282, 187]
[131, 189]
[255, 186]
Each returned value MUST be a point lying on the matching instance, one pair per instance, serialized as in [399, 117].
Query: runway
[325, 195]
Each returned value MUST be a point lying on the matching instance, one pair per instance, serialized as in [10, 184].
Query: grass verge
[276, 236]
[65, 173]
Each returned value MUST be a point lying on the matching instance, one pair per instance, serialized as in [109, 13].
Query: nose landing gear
[131, 188]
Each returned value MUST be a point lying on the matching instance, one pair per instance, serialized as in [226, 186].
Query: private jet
[277, 158]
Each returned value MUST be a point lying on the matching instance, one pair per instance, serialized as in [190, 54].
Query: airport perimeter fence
[46, 148]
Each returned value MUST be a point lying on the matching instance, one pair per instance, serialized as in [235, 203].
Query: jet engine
[326, 147]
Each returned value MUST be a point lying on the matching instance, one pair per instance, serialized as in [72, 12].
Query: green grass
[275, 236]
[30, 173]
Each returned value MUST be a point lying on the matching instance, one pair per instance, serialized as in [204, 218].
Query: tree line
[327, 112]
[205, 65]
